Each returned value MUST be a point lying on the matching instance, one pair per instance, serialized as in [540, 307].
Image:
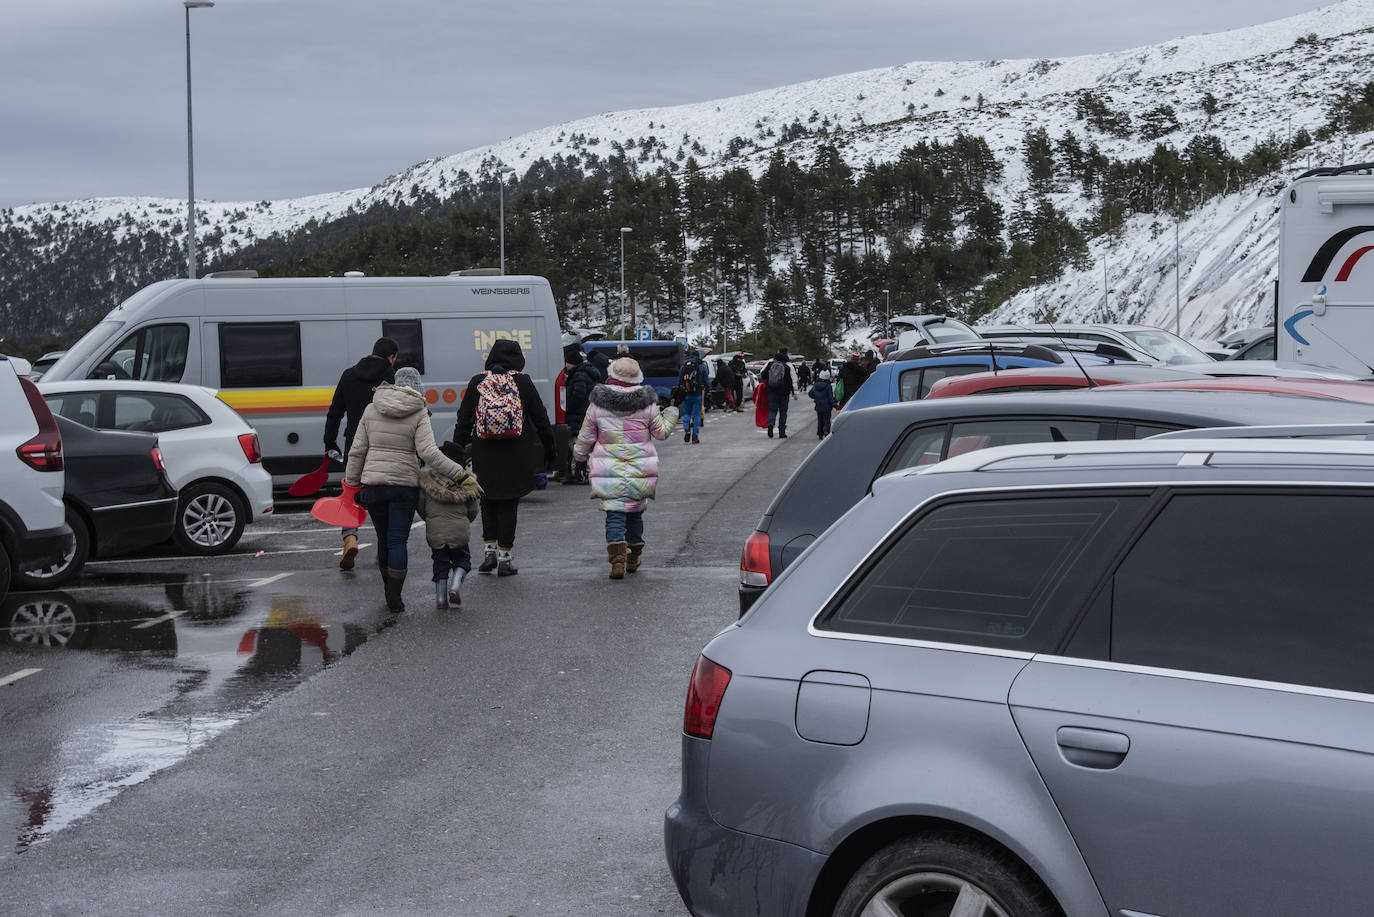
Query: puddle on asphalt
[213, 653]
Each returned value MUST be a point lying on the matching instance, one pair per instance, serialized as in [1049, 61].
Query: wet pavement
[256, 734]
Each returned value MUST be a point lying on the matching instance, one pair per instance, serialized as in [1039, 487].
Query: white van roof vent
[354, 274]
[230, 275]
[477, 272]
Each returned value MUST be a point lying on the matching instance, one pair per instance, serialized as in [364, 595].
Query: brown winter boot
[632, 562]
[350, 551]
[615, 552]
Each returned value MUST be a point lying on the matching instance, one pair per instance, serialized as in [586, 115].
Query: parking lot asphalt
[256, 734]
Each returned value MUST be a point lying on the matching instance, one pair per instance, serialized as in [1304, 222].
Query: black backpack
[690, 380]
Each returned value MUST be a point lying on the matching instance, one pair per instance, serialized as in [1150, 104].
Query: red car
[1052, 378]
[1338, 390]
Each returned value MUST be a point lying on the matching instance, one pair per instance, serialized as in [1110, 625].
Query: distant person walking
[617, 447]
[352, 395]
[740, 369]
[392, 438]
[824, 396]
[582, 378]
[692, 381]
[725, 378]
[448, 506]
[777, 376]
[852, 376]
[503, 418]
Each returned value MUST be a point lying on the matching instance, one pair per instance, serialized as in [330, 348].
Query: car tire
[70, 565]
[210, 519]
[929, 873]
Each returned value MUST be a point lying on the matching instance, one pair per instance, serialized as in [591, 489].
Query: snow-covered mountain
[1270, 80]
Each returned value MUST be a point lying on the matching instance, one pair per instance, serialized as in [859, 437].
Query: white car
[212, 455]
[33, 526]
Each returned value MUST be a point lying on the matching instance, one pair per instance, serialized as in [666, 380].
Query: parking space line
[169, 616]
[333, 549]
[12, 677]
[271, 579]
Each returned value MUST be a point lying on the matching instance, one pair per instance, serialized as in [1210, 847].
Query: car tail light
[251, 450]
[44, 451]
[157, 459]
[704, 694]
[754, 566]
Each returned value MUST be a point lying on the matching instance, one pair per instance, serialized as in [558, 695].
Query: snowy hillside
[1270, 81]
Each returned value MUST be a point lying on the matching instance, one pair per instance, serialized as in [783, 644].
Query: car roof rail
[1281, 431]
[1152, 452]
[1339, 170]
[1001, 348]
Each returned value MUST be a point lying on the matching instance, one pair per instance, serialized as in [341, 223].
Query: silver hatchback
[1101, 678]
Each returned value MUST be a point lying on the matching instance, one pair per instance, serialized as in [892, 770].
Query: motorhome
[1325, 292]
[273, 348]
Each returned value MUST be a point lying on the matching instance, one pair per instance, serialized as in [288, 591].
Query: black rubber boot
[395, 579]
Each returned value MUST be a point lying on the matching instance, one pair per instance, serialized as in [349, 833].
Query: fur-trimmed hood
[448, 490]
[624, 400]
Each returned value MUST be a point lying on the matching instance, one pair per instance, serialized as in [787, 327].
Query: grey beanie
[409, 377]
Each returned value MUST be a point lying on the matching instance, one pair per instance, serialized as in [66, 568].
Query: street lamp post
[190, 159]
[501, 181]
[623, 230]
[888, 294]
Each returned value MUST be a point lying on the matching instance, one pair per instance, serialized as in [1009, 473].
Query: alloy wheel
[208, 520]
[932, 894]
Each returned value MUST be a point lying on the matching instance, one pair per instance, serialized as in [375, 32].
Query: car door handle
[1094, 748]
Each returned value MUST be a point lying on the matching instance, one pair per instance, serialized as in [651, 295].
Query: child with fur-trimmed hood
[617, 443]
[448, 504]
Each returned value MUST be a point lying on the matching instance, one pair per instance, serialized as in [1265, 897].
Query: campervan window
[410, 338]
[156, 353]
[259, 354]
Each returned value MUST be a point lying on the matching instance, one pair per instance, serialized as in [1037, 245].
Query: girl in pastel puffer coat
[617, 443]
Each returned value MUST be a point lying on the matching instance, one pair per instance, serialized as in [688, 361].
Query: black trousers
[823, 423]
[498, 521]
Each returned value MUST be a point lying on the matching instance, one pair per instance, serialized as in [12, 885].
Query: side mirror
[106, 370]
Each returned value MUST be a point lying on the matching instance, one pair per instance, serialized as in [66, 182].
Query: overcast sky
[297, 97]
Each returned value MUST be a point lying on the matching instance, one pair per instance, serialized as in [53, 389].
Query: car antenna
[1072, 356]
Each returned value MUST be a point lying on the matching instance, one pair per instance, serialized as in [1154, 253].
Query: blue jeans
[624, 527]
[691, 415]
[392, 510]
[777, 410]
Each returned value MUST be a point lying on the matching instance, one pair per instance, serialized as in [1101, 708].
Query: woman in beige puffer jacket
[393, 436]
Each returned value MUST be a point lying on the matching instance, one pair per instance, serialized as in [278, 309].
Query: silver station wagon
[1114, 678]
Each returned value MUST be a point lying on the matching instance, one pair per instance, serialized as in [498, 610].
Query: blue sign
[644, 334]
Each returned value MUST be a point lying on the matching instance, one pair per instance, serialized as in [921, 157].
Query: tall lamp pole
[501, 180]
[623, 230]
[190, 159]
[888, 294]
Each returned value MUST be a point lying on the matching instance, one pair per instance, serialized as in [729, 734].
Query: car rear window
[1005, 573]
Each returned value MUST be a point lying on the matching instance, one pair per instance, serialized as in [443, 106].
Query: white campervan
[273, 348]
[1325, 291]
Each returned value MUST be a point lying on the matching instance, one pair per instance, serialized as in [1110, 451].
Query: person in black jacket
[777, 375]
[506, 467]
[580, 381]
[852, 375]
[351, 397]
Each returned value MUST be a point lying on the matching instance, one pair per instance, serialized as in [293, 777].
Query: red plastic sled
[761, 406]
[341, 510]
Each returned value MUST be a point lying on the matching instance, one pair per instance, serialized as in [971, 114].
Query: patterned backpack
[500, 415]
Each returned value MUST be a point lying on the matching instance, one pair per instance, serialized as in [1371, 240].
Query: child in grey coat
[448, 505]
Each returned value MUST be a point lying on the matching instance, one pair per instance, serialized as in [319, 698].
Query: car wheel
[50, 621]
[4, 572]
[70, 564]
[210, 519]
[945, 874]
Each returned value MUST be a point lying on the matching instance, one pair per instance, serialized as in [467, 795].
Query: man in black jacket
[351, 397]
[581, 379]
[777, 376]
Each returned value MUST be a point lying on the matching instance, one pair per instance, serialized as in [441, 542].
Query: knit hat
[572, 353]
[626, 370]
[409, 377]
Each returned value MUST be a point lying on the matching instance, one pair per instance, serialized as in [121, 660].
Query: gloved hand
[580, 471]
[331, 449]
[335, 455]
[679, 395]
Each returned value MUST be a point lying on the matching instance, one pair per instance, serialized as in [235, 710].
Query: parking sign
[644, 334]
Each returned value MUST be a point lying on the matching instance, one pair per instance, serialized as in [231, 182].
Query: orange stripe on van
[278, 400]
